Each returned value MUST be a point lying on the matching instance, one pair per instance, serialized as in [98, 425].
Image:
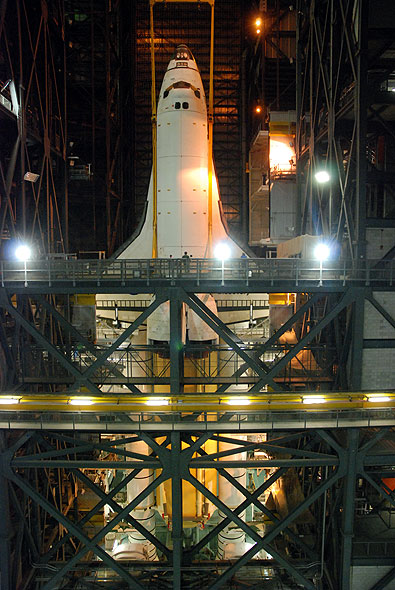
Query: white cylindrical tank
[231, 540]
[135, 545]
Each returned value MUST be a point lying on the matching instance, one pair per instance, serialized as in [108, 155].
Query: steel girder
[32, 115]
[92, 369]
[330, 463]
[333, 87]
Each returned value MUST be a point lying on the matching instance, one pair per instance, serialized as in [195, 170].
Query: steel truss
[43, 475]
[344, 120]
[54, 364]
[34, 203]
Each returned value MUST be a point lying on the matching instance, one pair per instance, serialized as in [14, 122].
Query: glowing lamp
[322, 176]
[23, 252]
[238, 401]
[81, 401]
[157, 402]
[258, 21]
[222, 251]
[280, 154]
[379, 398]
[258, 109]
[316, 399]
[322, 252]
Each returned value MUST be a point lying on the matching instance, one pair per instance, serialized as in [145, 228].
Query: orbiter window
[185, 105]
[177, 105]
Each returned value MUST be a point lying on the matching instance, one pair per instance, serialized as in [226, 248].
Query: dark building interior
[181, 421]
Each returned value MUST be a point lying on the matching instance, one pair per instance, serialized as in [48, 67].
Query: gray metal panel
[283, 208]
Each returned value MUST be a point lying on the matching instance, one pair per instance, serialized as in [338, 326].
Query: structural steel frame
[333, 462]
[92, 368]
[34, 126]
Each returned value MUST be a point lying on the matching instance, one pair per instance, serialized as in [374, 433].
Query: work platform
[210, 422]
[254, 275]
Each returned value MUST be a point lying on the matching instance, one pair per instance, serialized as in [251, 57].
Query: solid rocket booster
[182, 177]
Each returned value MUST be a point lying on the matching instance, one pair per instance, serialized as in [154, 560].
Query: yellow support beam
[54, 403]
[211, 2]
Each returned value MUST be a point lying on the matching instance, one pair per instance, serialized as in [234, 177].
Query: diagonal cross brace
[220, 526]
[80, 338]
[117, 508]
[90, 513]
[129, 330]
[228, 336]
[347, 298]
[261, 542]
[381, 310]
[63, 360]
[90, 544]
[284, 328]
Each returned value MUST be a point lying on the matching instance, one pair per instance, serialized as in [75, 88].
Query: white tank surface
[231, 540]
[182, 171]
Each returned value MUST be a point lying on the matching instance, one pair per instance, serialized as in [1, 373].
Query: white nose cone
[182, 171]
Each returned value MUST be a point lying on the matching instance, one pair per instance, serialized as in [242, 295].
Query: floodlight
[222, 251]
[23, 252]
[322, 176]
[322, 252]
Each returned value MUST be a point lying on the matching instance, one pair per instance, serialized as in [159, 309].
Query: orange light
[258, 21]
[258, 109]
[258, 31]
[281, 154]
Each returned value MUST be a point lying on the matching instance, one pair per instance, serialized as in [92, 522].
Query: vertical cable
[210, 137]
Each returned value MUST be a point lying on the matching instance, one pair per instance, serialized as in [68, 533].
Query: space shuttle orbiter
[182, 191]
[182, 175]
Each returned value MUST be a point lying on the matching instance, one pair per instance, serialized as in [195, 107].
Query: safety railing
[198, 271]
[212, 421]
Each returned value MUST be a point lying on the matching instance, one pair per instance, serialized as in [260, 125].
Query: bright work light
[322, 252]
[322, 176]
[222, 251]
[23, 252]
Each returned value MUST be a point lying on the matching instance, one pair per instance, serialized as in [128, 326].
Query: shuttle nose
[183, 53]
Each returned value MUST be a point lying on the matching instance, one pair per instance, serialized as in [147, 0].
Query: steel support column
[348, 508]
[357, 343]
[361, 111]
[176, 501]
[176, 346]
[5, 530]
